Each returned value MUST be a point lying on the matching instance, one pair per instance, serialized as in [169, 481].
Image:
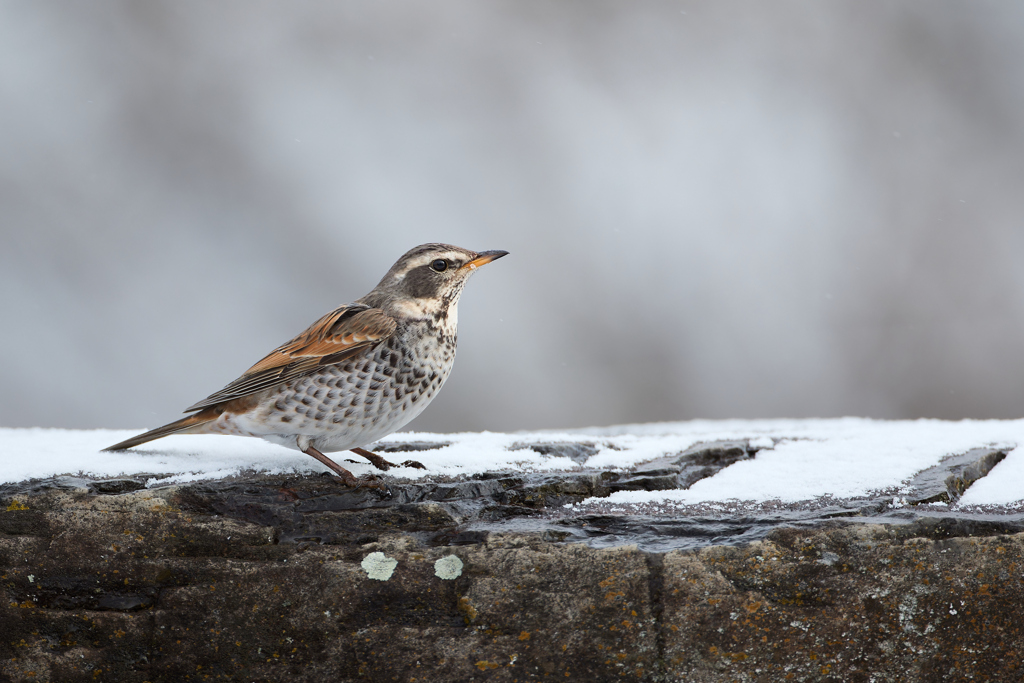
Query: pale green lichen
[448, 567]
[379, 566]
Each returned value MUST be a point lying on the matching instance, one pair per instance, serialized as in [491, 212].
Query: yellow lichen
[467, 609]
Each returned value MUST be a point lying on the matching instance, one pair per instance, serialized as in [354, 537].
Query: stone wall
[298, 579]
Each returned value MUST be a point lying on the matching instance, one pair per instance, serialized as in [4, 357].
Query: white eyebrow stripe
[426, 259]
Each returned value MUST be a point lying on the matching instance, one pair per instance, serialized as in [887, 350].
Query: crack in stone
[655, 591]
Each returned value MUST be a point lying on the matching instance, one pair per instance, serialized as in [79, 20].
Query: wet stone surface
[948, 480]
[503, 576]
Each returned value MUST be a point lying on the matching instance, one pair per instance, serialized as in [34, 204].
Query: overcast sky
[714, 209]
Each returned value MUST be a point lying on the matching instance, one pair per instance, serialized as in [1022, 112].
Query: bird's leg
[382, 464]
[345, 475]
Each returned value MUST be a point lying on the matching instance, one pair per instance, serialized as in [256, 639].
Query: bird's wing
[338, 336]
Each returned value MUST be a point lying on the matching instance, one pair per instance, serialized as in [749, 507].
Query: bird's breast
[360, 400]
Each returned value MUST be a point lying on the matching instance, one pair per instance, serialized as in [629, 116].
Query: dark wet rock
[86, 593]
[408, 446]
[704, 460]
[116, 486]
[62, 483]
[578, 452]
[497, 513]
[683, 470]
[646, 482]
[965, 526]
[948, 480]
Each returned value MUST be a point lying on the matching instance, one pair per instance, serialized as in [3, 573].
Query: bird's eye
[440, 265]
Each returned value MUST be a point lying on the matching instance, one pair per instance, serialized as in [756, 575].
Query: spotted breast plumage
[357, 374]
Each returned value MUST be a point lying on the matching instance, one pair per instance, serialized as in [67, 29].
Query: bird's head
[427, 280]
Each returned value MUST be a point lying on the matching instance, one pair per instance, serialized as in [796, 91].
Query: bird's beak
[484, 257]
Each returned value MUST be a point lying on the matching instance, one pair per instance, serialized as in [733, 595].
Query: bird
[357, 374]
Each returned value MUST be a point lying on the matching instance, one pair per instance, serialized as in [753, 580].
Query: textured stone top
[659, 486]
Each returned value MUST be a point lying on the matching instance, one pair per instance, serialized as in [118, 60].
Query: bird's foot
[349, 479]
[382, 464]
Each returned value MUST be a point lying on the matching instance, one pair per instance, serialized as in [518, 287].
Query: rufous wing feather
[341, 334]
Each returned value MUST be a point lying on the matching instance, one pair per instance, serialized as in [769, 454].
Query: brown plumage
[358, 373]
[339, 335]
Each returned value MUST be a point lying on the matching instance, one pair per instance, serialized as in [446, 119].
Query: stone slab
[296, 579]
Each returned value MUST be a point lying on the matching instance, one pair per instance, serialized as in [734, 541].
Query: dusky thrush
[357, 374]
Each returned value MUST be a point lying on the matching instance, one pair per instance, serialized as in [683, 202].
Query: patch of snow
[799, 459]
[1003, 485]
[839, 457]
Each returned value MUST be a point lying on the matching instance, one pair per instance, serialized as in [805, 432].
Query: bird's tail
[183, 425]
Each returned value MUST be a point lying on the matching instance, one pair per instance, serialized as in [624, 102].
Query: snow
[800, 459]
[1003, 486]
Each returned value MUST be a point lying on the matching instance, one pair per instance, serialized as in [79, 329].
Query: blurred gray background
[714, 209]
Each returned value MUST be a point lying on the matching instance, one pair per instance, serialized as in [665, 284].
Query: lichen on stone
[448, 567]
[379, 566]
